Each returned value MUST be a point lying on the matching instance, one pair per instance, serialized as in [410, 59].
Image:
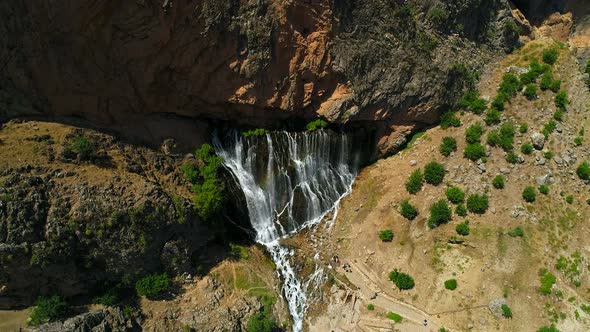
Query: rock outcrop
[141, 67]
[67, 226]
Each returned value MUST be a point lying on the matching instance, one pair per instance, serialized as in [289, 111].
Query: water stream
[290, 180]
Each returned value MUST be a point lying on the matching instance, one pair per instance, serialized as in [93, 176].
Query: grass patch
[394, 317]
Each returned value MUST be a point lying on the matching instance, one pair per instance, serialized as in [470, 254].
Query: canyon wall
[144, 67]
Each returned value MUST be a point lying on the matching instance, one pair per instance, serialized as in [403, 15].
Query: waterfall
[290, 180]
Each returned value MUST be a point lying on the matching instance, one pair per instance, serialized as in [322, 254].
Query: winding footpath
[413, 317]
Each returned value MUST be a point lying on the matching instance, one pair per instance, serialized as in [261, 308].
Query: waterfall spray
[290, 181]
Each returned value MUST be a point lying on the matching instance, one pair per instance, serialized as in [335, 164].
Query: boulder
[538, 141]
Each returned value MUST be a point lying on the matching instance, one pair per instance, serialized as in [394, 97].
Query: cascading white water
[290, 181]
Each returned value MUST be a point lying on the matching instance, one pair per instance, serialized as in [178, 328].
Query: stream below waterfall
[290, 181]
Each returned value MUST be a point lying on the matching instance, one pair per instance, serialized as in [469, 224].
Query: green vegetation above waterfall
[207, 187]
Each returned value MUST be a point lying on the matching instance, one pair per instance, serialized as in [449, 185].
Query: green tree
[461, 210]
[530, 91]
[473, 133]
[583, 171]
[152, 285]
[447, 146]
[474, 151]
[455, 195]
[47, 309]
[263, 321]
[463, 228]
[407, 210]
[550, 56]
[506, 311]
[498, 182]
[440, 213]
[401, 280]
[529, 194]
[550, 328]
[561, 100]
[414, 183]
[386, 235]
[451, 284]
[477, 203]
[434, 173]
[316, 124]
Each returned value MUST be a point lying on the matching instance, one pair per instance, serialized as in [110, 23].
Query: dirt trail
[413, 318]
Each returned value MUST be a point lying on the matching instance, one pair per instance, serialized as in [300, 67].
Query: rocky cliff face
[138, 66]
[68, 226]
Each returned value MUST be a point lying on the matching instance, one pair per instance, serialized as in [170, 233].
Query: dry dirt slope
[488, 264]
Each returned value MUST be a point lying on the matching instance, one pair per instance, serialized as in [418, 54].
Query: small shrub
[478, 106]
[447, 146]
[544, 189]
[263, 321]
[583, 171]
[451, 284]
[550, 328]
[463, 228]
[569, 199]
[530, 91]
[414, 183]
[498, 182]
[316, 124]
[440, 213]
[510, 85]
[492, 117]
[550, 56]
[549, 128]
[506, 311]
[474, 151]
[529, 194]
[547, 282]
[546, 81]
[258, 132]
[499, 101]
[493, 138]
[506, 135]
[190, 172]
[47, 309]
[152, 285]
[548, 155]
[526, 149]
[434, 173]
[84, 147]
[386, 235]
[455, 195]
[438, 14]
[401, 280]
[512, 157]
[528, 77]
[579, 140]
[448, 119]
[461, 210]
[407, 210]
[394, 317]
[516, 232]
[108, 298]
[561, 100]
[370, 307]
[558, 115]
[555, 86]
[477, 203]
[523, 128]
[473, 134]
